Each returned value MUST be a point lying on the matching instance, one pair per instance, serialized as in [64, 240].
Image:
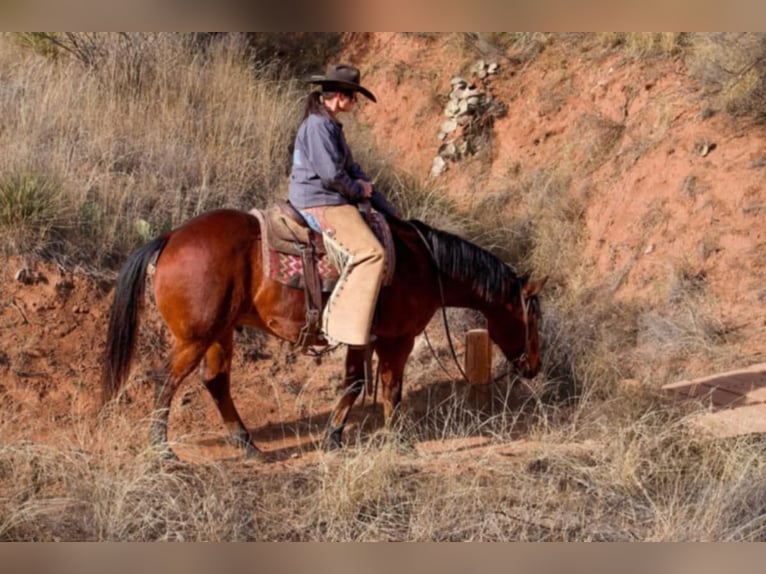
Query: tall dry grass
[627, 469]
[143, 131]
[730, 68]
[152, 132]
[647, 44]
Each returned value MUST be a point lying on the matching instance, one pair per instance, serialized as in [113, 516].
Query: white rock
[448, 126]
[473, 102]
[24, 276]
[452, 109]
[438, 166]
[447, 150]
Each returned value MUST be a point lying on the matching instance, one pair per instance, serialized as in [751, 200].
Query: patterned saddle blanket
[283, 238]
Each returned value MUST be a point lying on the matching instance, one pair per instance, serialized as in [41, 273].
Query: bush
[645, 44]
[30, 209]
[732, 70]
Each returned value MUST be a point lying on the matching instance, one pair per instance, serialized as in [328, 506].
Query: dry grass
[687, 327]
[550, 214]
[90, 487]
[730, 66]
[32, 212]
[646, 44]
[470, 46]
[620, 470]
[614, 463]
[597, 139]
[192, 133]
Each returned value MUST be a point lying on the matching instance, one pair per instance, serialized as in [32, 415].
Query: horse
[209, 280]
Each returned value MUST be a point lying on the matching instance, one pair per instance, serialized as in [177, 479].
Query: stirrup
[315, 345]
[311, 341]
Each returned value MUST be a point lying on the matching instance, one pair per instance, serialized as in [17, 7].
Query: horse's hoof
[332, 443]
[165, 453]
[405, 445]
[252, 452]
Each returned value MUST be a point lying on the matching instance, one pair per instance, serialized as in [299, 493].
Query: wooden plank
[716, 396]
[754, 375]
[751, 384]
[740, 421]
[748, 383]
[738, 398]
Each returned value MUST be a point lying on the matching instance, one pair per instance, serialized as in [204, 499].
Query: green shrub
[29, 211]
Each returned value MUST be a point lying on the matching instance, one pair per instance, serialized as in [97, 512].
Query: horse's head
[514, 328]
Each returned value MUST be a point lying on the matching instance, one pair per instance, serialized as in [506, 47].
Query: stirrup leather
[311, 335]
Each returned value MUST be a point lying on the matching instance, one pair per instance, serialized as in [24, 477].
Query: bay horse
[209, 280]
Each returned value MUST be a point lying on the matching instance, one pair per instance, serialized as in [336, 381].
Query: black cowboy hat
[342, 77]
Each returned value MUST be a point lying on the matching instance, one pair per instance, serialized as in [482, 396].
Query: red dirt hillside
[664, 187]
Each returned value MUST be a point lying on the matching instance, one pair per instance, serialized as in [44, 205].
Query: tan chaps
[359, 256]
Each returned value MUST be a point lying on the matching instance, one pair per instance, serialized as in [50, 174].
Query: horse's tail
[124, 317]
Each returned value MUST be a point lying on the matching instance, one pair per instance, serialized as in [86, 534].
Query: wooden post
[478, 357]
[478, 366]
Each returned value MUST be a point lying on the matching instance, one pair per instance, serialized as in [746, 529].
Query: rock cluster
[467, 110]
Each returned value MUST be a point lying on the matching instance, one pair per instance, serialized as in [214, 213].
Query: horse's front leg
[392, 356]
[354, 380]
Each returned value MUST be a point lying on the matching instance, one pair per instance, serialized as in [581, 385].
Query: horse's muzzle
[522, 366]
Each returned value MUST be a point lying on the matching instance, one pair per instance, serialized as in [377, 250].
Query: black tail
[123, 319]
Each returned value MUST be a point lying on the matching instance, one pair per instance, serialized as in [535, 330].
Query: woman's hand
[367, 188]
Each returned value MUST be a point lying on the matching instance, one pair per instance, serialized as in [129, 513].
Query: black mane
[489, 276]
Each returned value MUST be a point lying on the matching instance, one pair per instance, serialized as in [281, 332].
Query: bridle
[527, 304]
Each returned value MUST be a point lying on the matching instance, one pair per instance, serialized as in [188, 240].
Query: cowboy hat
[342, 77]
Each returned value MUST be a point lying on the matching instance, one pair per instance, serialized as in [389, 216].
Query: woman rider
[325, 186]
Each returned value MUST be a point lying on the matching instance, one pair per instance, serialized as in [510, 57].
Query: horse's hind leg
[216, 376]
[354, 383]
[184, 358]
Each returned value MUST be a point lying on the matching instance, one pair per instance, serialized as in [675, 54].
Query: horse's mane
[489, 276]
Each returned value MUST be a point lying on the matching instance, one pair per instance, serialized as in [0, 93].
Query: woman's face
[340, 102]
[346, 101]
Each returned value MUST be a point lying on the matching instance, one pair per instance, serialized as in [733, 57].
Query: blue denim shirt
[324, 171]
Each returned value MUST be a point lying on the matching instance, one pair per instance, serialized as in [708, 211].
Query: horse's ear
[532, 288]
